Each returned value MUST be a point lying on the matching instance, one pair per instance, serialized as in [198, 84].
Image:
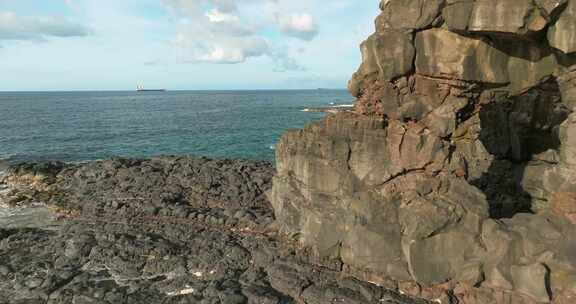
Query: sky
[181, 44]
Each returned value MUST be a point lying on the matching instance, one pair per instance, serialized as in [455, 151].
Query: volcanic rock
[455, 174]
[162, 230]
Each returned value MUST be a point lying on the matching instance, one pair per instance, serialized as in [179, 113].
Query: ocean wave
[6, 163]
[334, 107]
[34, 157]
[343, 106]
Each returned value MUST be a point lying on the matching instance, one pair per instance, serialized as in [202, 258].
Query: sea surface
[80, 126]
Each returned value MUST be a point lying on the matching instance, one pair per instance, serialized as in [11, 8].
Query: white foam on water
[343, 106]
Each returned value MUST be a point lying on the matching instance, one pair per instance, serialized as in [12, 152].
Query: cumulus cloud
[14, 27]
[232, 31]
[300, 26]
[228, 50]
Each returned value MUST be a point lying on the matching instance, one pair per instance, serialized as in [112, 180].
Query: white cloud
[133, 38]
[233, 31]
[228, 24]
[214, 15]
[300, 26]
[14, 27]
[226, 50]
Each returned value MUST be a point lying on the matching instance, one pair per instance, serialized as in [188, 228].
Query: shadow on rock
[519, 131]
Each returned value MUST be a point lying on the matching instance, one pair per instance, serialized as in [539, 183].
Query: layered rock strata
[454, 177]
[167, 230]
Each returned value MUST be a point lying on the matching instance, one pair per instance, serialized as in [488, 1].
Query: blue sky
[181, 44]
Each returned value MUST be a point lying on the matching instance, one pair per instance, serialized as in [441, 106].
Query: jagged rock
[408, 14]
[455, 174]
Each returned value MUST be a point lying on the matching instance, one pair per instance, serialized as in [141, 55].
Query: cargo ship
[142, 89]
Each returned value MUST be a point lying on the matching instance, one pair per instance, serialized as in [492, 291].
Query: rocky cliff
[454, 179]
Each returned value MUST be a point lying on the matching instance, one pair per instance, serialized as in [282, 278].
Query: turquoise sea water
[78, 126]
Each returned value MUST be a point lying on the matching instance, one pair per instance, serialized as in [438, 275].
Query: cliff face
[455, 176]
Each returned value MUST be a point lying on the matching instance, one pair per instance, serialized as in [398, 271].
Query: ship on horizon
[140, 88]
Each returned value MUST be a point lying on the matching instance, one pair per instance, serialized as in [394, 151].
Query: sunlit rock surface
[454, 180]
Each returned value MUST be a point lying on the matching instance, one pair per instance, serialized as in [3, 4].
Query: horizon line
[167, 90]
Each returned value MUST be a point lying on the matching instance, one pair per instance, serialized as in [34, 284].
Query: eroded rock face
[454, 178]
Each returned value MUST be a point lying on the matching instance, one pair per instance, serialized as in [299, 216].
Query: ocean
[80, 126]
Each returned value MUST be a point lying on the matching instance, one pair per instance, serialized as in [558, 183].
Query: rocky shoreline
[164, 230]
[452, 179]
